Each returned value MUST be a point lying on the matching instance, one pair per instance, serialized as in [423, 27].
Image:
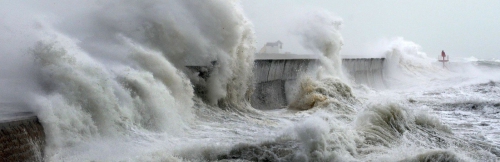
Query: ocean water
[109, 82]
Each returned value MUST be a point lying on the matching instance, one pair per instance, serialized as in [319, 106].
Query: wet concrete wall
[21, 138]
[276, 77]
[276, 81]
[367, 71]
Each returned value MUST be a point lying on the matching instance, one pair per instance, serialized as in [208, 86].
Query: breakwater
[276, 81]
[22, 138]
[367, 71]
[276, 76]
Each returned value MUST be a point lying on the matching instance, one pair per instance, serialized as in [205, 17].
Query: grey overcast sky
[462, 28]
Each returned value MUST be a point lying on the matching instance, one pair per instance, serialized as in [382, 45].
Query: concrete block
[275, 82]
[16, 142]
[269, 95]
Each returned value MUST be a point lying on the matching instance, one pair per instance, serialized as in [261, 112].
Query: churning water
[109, 82]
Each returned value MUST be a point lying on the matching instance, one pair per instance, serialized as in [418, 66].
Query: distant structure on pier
[271, 47]
[443, 58]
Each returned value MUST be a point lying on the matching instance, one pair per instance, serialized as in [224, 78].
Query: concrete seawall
[367, 71]
[276, 81]
[21, 138]
[276, 76]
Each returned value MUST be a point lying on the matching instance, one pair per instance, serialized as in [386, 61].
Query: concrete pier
[22, 137]
[367, 71]
[276, 80]
[276, 76]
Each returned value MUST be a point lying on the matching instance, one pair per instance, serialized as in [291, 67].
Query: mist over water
[110, 81]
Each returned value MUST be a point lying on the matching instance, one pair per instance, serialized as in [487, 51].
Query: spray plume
[103, 69]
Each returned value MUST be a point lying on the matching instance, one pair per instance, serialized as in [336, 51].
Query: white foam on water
[109, 83]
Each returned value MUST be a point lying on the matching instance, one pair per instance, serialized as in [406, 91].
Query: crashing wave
[323, 93]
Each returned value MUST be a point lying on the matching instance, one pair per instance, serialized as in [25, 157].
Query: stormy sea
[114, 81]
